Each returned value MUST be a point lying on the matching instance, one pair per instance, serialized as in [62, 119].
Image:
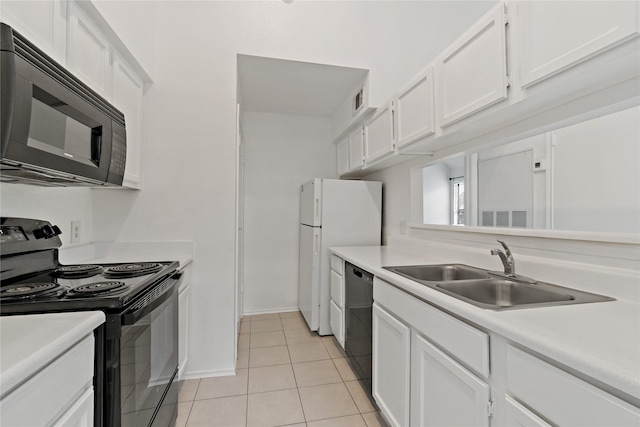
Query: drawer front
[52, 390]
[336, 318]
[337, 264]
[467, 344]
[337, 289]
[562, 398]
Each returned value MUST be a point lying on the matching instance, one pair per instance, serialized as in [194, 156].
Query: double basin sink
[493, 290]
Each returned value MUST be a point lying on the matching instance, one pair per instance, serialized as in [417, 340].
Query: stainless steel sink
[500, 294]
[439, 272]
[483, 289]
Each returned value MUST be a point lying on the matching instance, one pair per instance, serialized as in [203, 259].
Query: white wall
[596, 181]
[281, 153]
[135, 24]
[59, 206]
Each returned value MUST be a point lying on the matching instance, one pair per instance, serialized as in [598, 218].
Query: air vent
[358, 101]
[519, 219]
[487, 218]
[502, 219]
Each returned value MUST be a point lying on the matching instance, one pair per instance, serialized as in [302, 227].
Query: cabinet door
[80, 414]
[88, 52]
[127, 94]
[391, 366]
[472, 72]
[342, 152]
[414, 110]
[378, 134]
[336, 319]
[337, 288]
[42, 22]
[555, 35]
[443, 393]
[518, 416]
[356, 149]
[562, 398]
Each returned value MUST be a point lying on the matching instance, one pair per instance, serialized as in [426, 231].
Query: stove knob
[56, 230]
[38, 233]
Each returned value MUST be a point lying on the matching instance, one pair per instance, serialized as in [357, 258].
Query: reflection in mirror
[585, 177]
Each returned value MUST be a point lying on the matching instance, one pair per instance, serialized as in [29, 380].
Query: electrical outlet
[403, 227]
[76, 231]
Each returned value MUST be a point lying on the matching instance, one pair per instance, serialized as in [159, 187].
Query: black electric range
[134, 371]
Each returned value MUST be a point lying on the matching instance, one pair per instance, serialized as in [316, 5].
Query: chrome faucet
[507, 259]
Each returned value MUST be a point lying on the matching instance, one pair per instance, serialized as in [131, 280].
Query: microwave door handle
[131, 317]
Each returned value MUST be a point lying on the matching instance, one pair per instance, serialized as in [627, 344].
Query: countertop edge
[25, 362]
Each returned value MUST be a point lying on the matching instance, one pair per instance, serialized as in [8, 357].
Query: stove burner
[78, 271]
[30, 291]
[97, 289]
[132, 270]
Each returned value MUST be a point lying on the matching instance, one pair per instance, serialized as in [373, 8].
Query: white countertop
[30, 342]
[600, 340]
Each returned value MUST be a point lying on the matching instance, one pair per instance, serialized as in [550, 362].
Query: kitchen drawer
[561, 398]
[465, 343]
[52, 391]
[337, 264]
[336, 318]
[337, 289]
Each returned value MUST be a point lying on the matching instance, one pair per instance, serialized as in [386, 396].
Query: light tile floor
[286, 376]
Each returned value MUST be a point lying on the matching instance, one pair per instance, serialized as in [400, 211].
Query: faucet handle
[506, 248]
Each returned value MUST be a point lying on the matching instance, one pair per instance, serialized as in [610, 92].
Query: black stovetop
[34, 281]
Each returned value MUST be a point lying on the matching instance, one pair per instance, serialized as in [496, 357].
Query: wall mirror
[584, 177]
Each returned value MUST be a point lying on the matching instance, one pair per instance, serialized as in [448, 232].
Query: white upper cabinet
[43, 23]
[127, 94]
[356, 149]
[414, 110]
[378, 134]
[88, 52]
[555, 35]
[472, 72]
[342, 153]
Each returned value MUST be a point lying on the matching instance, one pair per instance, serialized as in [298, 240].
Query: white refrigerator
[332, 213]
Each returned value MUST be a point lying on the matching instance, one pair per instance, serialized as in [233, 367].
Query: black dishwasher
[358, 321]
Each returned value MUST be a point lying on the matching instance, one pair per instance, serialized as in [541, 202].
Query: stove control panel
[46, 232]
[20, 235]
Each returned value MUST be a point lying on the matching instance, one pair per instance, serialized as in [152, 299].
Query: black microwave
[55, 130]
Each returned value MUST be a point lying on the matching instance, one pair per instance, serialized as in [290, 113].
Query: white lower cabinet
[336, 308]
[416, 382]
[517, 415]
[443, 392]
[59, 394]
[562, 398]
[431, 368]
[391, 368]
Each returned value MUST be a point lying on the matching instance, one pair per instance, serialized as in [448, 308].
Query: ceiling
[292, 87]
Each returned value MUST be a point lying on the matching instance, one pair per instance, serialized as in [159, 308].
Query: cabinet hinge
[490, 409]
[508, 80]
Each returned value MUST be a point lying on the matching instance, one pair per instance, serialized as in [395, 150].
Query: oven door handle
[131, 317]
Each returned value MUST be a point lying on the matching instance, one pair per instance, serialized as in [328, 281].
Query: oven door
[149, 360]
